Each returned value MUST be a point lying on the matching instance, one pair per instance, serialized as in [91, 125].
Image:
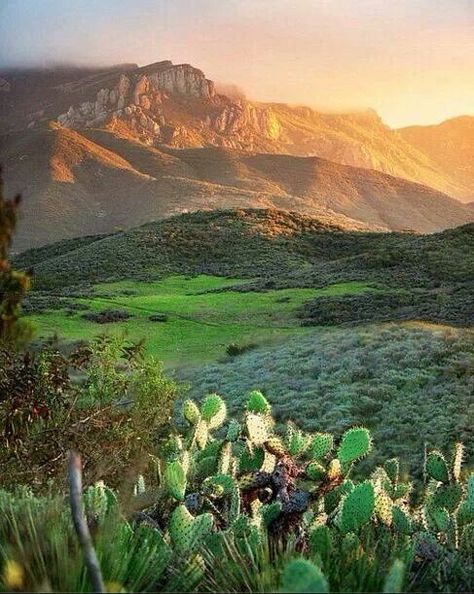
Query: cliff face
[175, 105]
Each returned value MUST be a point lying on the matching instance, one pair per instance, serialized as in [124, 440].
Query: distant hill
[96, 181]
[418, 276]
[450, 145]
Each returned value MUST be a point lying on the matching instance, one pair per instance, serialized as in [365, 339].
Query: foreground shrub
[116, 415]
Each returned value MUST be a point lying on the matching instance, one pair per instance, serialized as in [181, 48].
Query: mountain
[178, 106]
[96, 181]
[95, 149]
[450, 145]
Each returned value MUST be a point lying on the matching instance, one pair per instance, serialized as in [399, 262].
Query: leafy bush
[116, 415]
[410, 385]
[233, 349]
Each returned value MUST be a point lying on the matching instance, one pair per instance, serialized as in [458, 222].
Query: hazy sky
[411, 60]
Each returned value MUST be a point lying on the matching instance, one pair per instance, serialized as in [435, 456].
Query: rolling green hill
[247, 277]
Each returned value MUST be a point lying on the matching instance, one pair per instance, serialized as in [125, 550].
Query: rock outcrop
[149, 103]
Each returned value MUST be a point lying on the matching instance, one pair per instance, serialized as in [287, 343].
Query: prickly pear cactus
[436, 467]
[257, 403]
[321, 445]
[356, 508]
[355, 445]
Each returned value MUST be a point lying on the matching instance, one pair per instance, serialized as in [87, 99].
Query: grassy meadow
[202, 315]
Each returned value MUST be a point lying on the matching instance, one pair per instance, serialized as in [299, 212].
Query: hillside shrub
[410, 385]
[107, 316]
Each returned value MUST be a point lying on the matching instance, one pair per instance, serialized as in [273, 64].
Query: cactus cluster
[249, 480]
[242, 493]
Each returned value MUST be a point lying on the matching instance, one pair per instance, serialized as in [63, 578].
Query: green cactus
[350, 544]
[320, 541]
[392, 468]
[257, 403]
[436, 466]
[233, 430]
[201, 434]
[175, 480]
[401, 521]
[218, 485]
[300, 575]
[467, 540]
[334, 469]
[297, 441]
[333, 497]
[321, 445]
[98, 500]
[315, 471]
[269, 512]
[448, 496]
[275, 446]
[257, 428]
[185, 530]
[357, 507]
[355, 445]
[251, 460]
[225, 455]
[383, 506]
[213, 411]
[191, 412]
[457, 460]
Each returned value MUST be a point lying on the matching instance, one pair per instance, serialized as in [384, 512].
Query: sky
[410, 60]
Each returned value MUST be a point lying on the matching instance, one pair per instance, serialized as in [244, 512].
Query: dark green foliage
[13, 284]
[107, 316]
[271, 529]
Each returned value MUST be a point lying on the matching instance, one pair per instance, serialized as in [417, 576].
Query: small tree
[13, 284]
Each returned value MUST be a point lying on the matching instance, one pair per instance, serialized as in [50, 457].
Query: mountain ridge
[177, 105]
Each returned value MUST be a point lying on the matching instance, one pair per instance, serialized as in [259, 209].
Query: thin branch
[80, 522]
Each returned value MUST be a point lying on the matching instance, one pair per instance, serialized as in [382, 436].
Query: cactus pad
[392, 468]
[300, 575]
[436, 467]
[401, 521]
[355, 444]
[257, 403]
[334, 469]
[257, 428]
[213, 410]
[448, 496]
[191, 412]
[201, 434]
[357, 508]
[321, 445]
[185, 530]
[233, 430]
[175, 480]
[275, 446]
[315, 471]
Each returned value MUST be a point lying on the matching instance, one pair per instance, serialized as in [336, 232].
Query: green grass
[204, 315]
